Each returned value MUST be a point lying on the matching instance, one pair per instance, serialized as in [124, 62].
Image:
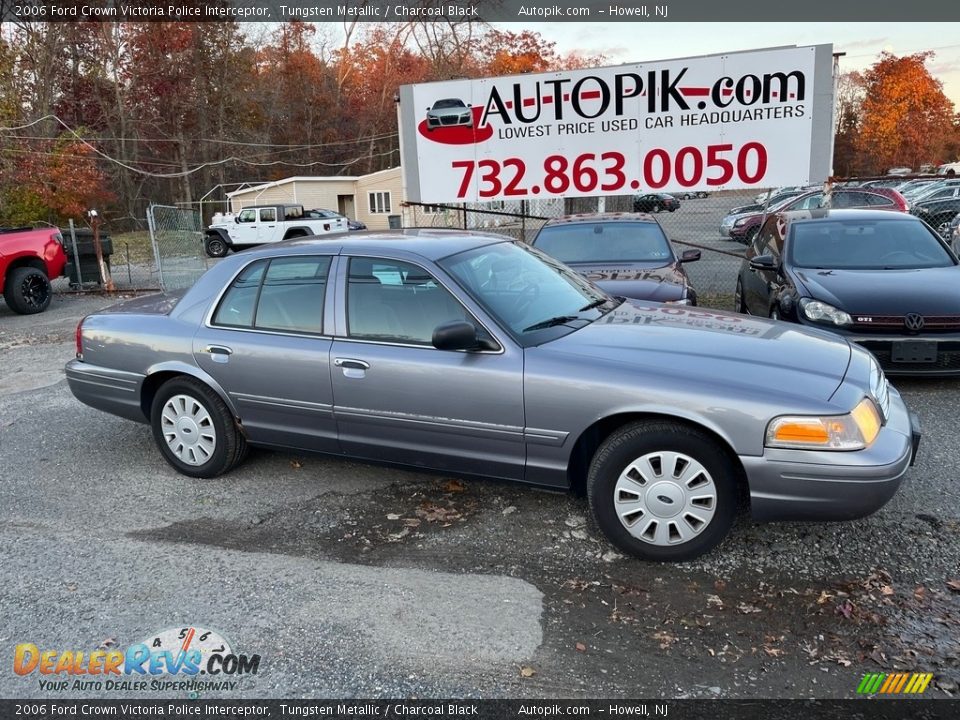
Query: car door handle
[351, 363]
[218, 353]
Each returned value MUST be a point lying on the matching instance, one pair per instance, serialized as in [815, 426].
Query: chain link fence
[176, 235]
[693, 223]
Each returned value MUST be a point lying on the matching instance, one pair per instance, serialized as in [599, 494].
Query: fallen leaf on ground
[747, 608]
[719, 586]
[886, 590]
[527, 671]
[393, 516]
[581, 647]
[954, 585]
[451, 486]
[824, 597]
[296, 464]
[714, 601]
[772, 651]
[846, 609]
[920, 592]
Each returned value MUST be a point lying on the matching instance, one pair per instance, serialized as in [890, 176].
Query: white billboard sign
[751, 119]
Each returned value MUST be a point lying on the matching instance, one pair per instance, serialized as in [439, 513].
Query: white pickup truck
[263, 224]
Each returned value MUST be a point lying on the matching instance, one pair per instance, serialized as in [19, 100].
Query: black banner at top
[437, 709]
[478, 10]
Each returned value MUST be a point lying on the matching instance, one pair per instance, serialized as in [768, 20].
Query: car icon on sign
[449, 112]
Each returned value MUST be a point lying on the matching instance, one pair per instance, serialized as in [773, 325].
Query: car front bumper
[818, 485]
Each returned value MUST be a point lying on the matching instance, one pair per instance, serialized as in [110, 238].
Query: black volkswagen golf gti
[885, 280]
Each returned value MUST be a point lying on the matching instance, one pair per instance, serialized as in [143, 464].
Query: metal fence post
[153, 241]
[76, 255]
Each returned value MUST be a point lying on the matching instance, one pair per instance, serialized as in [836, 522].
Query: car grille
[895, 323]
[948, 358]
[450, 120]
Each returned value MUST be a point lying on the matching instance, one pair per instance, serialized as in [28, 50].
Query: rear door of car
[267, 344]
[398, 398]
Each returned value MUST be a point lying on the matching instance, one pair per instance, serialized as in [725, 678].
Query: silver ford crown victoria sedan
[471, 354]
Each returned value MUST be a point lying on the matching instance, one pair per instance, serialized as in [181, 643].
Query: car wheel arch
[30, 261]
[159, 375]
[592, 438]
[297, 232]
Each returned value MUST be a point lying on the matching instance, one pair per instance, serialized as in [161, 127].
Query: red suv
[873, 198]
[29, 260]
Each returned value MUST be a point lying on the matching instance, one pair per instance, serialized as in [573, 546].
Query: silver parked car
[468, 353]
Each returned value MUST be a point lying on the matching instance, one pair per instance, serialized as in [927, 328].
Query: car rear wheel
[655, 208]
[216, 247]
[27, 291]
[195, 430]
[662, 491]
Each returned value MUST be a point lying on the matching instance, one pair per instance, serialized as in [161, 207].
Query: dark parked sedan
[937, 213]
[883, 280]
[655, 202]
[470, 354]
[626, 254]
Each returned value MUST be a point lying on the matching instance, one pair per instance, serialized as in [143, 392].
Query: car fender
[181, 368]
[221, 233]
[306, 229]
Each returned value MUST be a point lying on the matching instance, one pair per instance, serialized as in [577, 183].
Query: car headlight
[741, 221]
[817, 311]
[854, 431]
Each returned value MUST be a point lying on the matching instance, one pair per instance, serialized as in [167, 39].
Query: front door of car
[265, 344]
[759, 283]
[244, 231]
[398, 398]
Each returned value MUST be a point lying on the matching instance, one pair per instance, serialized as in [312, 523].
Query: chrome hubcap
[665, 498]
[188, 430]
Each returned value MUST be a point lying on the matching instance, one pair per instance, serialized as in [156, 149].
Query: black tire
[655, 208]
[27, 291]
[738, 303]
[230, 446]
[215, 246]
[650, 437]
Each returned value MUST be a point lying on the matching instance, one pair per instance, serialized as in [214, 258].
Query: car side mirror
[236, 218]
[456, 335]
[690, 256]
[763, 262]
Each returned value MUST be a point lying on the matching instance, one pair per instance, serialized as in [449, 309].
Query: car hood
[641, 281]
[720, 349]
[928, 291]
[444, 112]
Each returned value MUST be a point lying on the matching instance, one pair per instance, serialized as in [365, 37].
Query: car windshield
[866, 245]
[526, 290]
[451, 103]
[605, 242]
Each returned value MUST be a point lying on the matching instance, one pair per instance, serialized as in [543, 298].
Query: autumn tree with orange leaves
[905, 120]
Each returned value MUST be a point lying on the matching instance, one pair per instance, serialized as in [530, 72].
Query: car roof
[600, 217]
[429, 243]
[843, 214]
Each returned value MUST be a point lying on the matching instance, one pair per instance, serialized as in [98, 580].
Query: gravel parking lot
[356, 580]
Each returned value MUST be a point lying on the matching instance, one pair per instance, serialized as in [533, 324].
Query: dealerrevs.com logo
[190, 659]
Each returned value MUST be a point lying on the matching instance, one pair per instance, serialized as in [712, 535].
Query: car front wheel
[195, 430]
[216, 247]
[662, 491]
[27, 291]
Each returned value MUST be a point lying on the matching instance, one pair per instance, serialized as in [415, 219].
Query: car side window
[810, 203]
[394, 301]
[268, 215]
[283, 294]
[875, 200]
[247, 216]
